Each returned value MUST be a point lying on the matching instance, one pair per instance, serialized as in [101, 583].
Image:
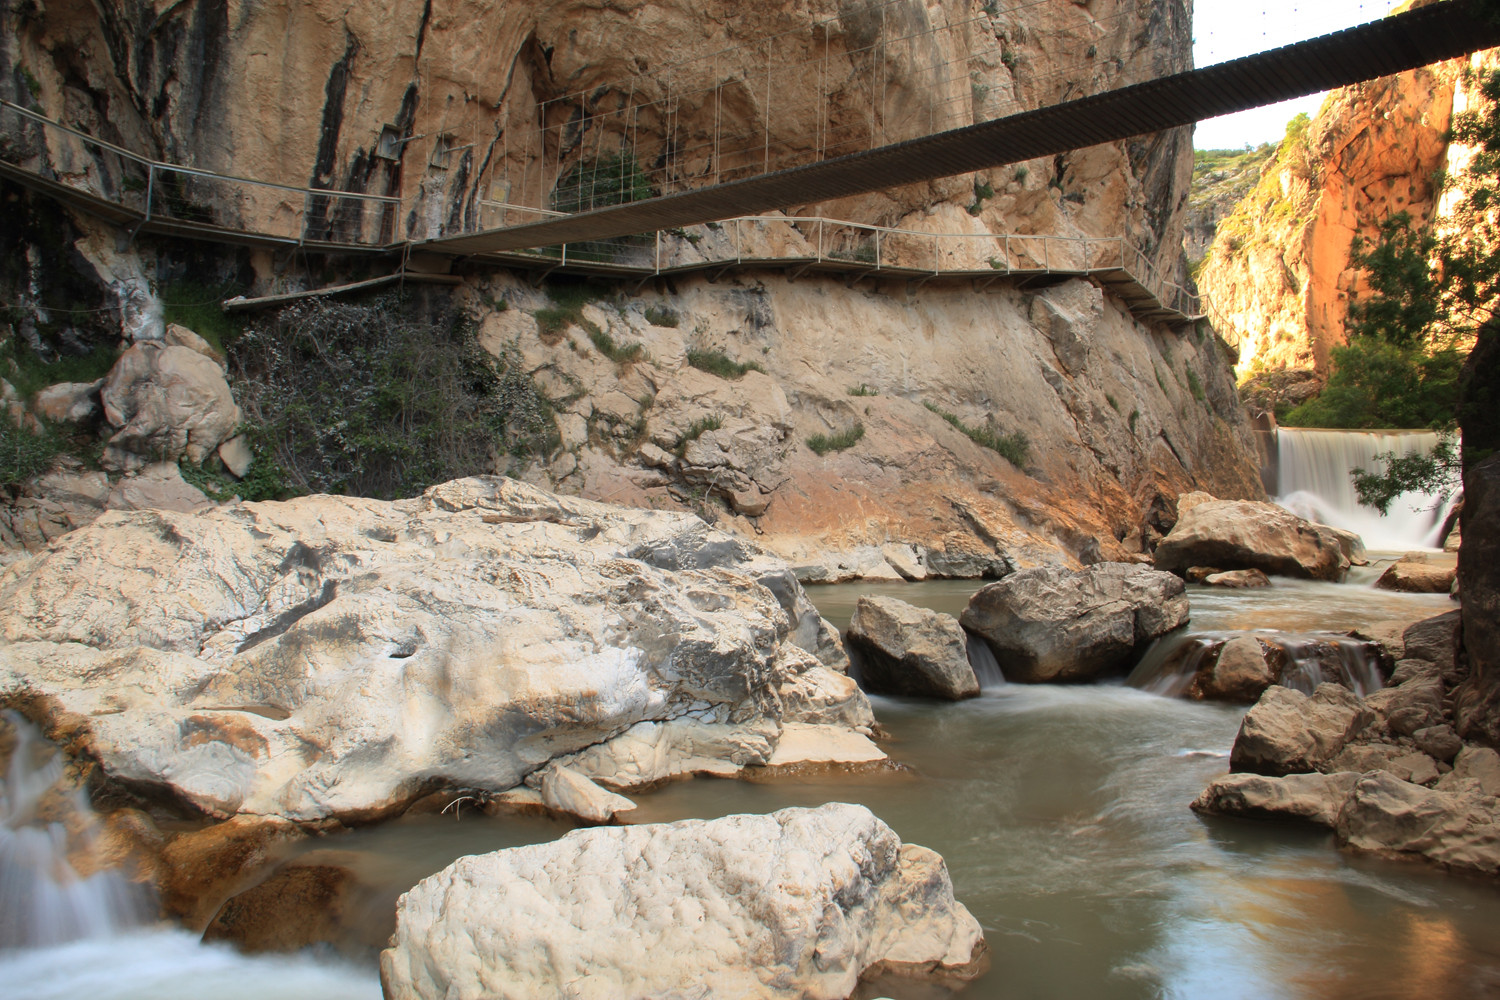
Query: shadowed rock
[1055, 625]
[911, 651]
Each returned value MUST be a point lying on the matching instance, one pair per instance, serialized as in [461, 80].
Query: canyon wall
[1277, 278]
[1119, 415]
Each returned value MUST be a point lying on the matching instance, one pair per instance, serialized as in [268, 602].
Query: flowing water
[1062, 813]
[1313, 475]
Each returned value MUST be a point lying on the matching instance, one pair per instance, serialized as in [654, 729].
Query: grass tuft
[720, 364]
[822, 444]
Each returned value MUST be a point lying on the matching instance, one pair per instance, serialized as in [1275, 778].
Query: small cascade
[1303, 660]
[1313, 476]
[50, 892]
[982, 659]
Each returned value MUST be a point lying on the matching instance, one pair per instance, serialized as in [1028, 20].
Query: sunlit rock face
[1279, 276]
[334, 658]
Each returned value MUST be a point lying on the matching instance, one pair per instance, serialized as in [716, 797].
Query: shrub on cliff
[375, 399]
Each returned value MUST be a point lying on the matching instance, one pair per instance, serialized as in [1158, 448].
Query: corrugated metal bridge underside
[1445, 30]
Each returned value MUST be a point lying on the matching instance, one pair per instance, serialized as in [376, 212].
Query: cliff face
[1119, 415]
[1277, 277]
[301, 94]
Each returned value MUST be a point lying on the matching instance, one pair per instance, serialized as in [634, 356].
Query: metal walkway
[650, 237]
[1400, 42]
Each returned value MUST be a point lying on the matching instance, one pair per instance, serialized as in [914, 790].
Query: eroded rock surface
[796, 904]
[337, 658]
[1387, 773]
[1054, 625]
[907, 650]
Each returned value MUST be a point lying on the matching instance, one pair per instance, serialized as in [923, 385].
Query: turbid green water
[1062, 813]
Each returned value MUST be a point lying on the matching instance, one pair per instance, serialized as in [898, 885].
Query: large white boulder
[333, 657]
[797, 904]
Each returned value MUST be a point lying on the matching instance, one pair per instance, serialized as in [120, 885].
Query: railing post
[656, 254]
[150, 189]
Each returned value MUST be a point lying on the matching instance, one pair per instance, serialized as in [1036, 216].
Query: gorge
[307, 596]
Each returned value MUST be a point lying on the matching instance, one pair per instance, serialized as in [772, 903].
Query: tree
[1431, 292]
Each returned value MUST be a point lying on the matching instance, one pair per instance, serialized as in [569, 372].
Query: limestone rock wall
[1116, 416]
[1278, 278]
[300, 94]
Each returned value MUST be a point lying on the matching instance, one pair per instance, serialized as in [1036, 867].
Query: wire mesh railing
[144, 190]
[141, 191]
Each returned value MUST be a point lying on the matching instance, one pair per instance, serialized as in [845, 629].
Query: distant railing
[143, 191]
[163, 193]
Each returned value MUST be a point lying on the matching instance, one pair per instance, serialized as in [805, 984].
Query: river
[1062, 813]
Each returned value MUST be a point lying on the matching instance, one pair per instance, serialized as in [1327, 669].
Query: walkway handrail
[179, 168]
[1081, 254]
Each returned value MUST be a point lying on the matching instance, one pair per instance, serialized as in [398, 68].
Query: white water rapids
[1313, 469]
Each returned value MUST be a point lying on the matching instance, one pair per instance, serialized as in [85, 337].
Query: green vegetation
[822, 444]
[569, 298]
[863, 390]
[1113, 403]
[620, 354]
[378, 399]
[1194, 385]
[982, 193]
[197, 306]
[696, 430]
[662, 316]
[24, 454]
[720, 364]
[1135, 416]
[33, 85]
[1020, 175]
[1013, 447]
[29, 373]
[598, 182]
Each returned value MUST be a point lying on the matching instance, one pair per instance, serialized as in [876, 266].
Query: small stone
[657, 458]
[236, 456]
[1241, 672]
[751, 502]
[181, 336]
[1414, 574]
[68, 402]
[565, 790]
[1438, 742]
[1239, 578]
[911, 651]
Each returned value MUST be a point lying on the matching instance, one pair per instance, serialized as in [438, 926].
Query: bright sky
[1228, 29]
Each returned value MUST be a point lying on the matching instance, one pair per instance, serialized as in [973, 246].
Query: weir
[1314, 481]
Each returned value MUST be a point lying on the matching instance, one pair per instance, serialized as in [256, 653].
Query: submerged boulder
[1248, 534]
[797, 904]
[1049, 624]
[338, 658]
[912, 651]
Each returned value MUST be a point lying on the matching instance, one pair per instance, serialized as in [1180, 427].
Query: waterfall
[982, 659]
[1305, 659]
[1313, 476]
[47, 834]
